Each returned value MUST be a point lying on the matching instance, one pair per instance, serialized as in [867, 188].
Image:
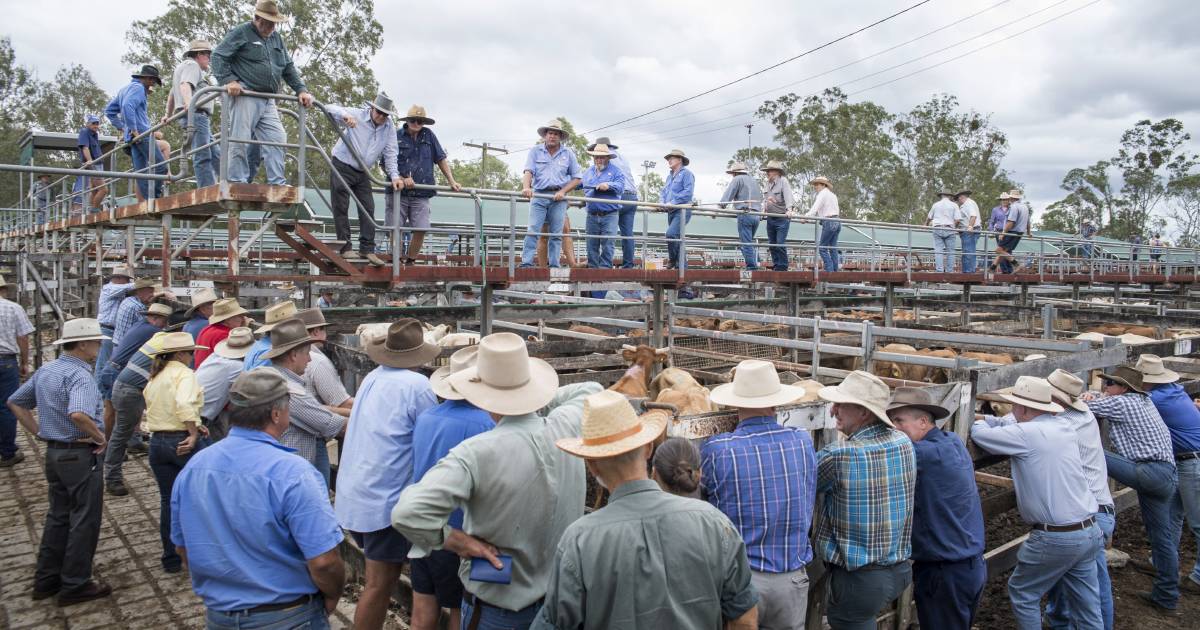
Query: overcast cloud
[497, 70]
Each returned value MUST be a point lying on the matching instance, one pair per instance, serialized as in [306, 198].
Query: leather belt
[1179, 457]
[1073, 527]
[55, 444]
[300, 601]
[1108, 509]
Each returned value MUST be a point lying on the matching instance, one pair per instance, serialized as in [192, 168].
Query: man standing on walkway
[1087, 232]
[90, 188]
[550, 169]
[763, 477]
[628, 212]
[202, 308]
[777, 205]
[227, 314]
[189, 77]
[971, 224]
[602, 181]
[372, 137]
[740, 190]
[68, 403]
[419, 150]
[949, 571]
[825, 208]
[112, 293]
[678, 190]
[998, 218]
[943, 216]
[1016, 225]
[128, 112]
[252, 57]
[14, 365]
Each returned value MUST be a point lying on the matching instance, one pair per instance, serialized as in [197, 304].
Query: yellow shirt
[172, 398]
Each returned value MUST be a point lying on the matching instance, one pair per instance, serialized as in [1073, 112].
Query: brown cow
[935, 374]
[1116, 330]
[892, 369]
[580, 328]
[989, 357]
[676, 387]
[636, 381]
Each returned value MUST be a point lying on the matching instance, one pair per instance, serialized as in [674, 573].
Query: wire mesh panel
[734, 348]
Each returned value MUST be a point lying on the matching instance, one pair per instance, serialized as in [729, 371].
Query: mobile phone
[482, 570]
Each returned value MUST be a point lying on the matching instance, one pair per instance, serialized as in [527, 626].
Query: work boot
[9, 462]
[1148, 598]
[139, 447]
[43, 593]
[352, 255]
[91, 590]
[375, 261]
[117, 488]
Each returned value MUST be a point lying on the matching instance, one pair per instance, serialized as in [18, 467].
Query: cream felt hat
[505, 380]
[277, 313]
[225, 308]
[611, 427]
[1153, 371]
[160, 309]
[755, 386]
[237, 345]
[459, 361]
[737, 168]
[1066, 389]
[820, 179]
[1032, 392]
[177, 342]
[200, 298]
[861, 388]
[82, 329]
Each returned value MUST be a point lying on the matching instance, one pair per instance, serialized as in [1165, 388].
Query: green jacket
[257, 63]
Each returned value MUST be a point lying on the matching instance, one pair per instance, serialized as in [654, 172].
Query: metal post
[816, 348]
[129, 237]
[1048, 317]
[301, 150]
[889, 303]
[166, 251]
[868, 345]
[512, 235]
[226, 124]
[486, 312]
[235, 261]
[656, 317]
[794, 311]
[965, 314]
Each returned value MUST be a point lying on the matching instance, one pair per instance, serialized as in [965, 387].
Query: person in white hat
[1016, 225]
[745, 194]
[777, 205]
[692, 569]
[869, 480]
[227, 314]
[516, 490]
[69, 420]
[761, 458]
[15, 329]
[202, 308]
[628, 212]
[971, 223]
[550, 169]
[112, 293]
[997, 218]
[274, 314]
[132, 309]
[943, 216]
[190, 76]
[825, 208]
[602, 181]
[217, 374]
[1053, 496]
[416, 163]
[677, 190]
[129, 406]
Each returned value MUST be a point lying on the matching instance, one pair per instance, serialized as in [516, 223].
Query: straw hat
[160, 309]
[459, 361]
[1128, 377]
[224, 309]
[1066, 389]
[603, 140]
[123, 271]
[269, 10]
[554, 125]
[177, 342]
[1153, 371]
[237, 345]
[417, 113]
[611, 427]
[1032, 392]
[820, 179]
[277, 313]
[144, 283]
[403, 346]
[82, 329]
[198, 46]
[966, 191]
[679, 154]
[504, 379]
[773, 165]
[918, 398]
[600, 150]
[737, 168]
[1014, 194]
[1004, 196]
[384, 103]
[257, 387]
[200, 298]
[861, 388]
[755, 386]
[289, 334]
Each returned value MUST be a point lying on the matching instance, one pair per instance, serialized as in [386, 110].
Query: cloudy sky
[495, 71]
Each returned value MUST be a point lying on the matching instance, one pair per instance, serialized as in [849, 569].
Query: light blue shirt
[215, 375]
[552, 171]
[679, 187]
[111, 296]
[370, 140]
[742, 188]
[194, 325]
[1018, 213]
[127, 110]
[377, 459]
[254, 358]
[251, 513]
[612, 176]
[630, 183]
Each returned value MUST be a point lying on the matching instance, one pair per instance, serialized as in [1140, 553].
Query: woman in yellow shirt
[173, 401]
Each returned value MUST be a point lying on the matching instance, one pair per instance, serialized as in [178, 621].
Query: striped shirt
[869, 480]
[13, 323]
[763, 477]
[1135, 427]
[111, 296]
[58, 389]
[129, 313]
[311, 423]
[321, 379]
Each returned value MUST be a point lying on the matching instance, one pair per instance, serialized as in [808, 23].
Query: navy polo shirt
[416, 158]
[91, 140]
[947, 516]
[1180, 415]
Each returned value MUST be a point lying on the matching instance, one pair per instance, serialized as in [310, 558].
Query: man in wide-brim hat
[227, 314]
[189, 77]
[416, 167]
[217, 374]
[274, 315]
[746, 195]
[602, 183]
[679, 189]
[777, 206]
[825, 208]
[712, 578]
[14, 342]
[628, 212]
[1017, 223]
[516, 489]
[944, 216]
[947, 536]
[971, 223]
[130, 311]
[128, 112]
[551, 169]
[202, 306]
[112, 293]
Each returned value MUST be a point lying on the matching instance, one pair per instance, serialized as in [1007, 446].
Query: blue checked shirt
[1135, 427]
[111, 296]
[129, 314]
[869, 481]
[58, 389]
[763, 477]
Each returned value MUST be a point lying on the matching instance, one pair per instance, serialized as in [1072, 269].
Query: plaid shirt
[1137, 430]
[763, 477]
[111, 296]
[129, 314]
[13, 323]
[311, 422]
[868, 481]
[58, 389]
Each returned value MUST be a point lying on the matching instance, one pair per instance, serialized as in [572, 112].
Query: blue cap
[92, 118]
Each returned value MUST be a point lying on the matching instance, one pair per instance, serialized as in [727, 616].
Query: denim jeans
[627, 215]
[310, 616]
[1155, 483]
[129, 404]
[830, 228]
[255, 118]
[205, 162]
[943, 249]
[1064, 558]
[106, 348]
[600, 250]
[322, 461]
[747, 225]
[968, 250]
[166, 465]
[141, 160]
[856, 597]
[10, 380]
[1188, 504]
[948, 593]
[1058, 606]
[491, 618]
[676, 219]
[542, 211]
[777, 231]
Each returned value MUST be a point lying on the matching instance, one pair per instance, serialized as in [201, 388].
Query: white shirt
[215, 375]
[967, 211]
[1091, 451]
[825, 205]
[13, 323]
[943, 213]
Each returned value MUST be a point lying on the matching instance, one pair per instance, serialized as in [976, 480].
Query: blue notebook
[483, 571]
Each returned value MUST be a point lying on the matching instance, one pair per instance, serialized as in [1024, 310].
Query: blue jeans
[258, 119]
[1155, 483]
[310, 616]
[600, 250]
[167, 465]
[676, 219]
[1058, 607]
[1067, 559]
[10, 380]
[1188, 504]
[106, 348]
[129, 405]
[968, 250]
[141, 160]
[322, 464]
[205, 162]
[943, 249]
[947, 593]
[491, 618]
[830, 228]
[542, 211]
[627, 214]
[747, 225]
[777, 231]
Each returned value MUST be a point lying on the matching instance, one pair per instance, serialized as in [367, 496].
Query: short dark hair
[255, 417]
[70, 345]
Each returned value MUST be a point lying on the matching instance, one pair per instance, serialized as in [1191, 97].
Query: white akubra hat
[237, 345]
[201, 297]
[1153, 371]
[1067, 388]
[505, 380]
[459, 361]
[611, 427]
[861, 388]
[1032, 392]
[82, 329]
[755, 386]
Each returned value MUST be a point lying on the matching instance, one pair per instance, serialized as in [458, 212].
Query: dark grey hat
[257, 387]
[148, 72]
[602, 140]
[384, 103]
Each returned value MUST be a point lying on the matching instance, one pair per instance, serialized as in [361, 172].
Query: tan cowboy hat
[1126, 376]
[198, 46]
[1004, 196]
[861, 388]
[1032, 392]
[945, 192]
[312, 318]
[774, 165]
[918, 398]
[123, 271]
[600, 150]
[1153, 371]
[820, 179]
[82, 329]
[177, 342]
[459, 361]
[200, 298]
[269, 10]
[679, 154]
[611, 427]
[144, 283]
[237, 345]
[1066, 389]
[403, 346]
[277, 313]
[755, 386]
[505, 380]
[160, 309]
[737, 168]
[288, 335]
[417, 113]
[225, 308]
[554, 125]
[1014, 194]
[384, 103]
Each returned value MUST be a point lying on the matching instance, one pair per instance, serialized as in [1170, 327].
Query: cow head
[643, 355]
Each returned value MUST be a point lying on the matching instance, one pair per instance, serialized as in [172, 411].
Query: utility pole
[647, 165]
[749, 139]
[483, 164]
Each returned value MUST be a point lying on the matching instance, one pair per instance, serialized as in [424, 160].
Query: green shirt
[650, 560]
[257, 63]
[518, 491]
